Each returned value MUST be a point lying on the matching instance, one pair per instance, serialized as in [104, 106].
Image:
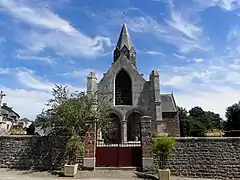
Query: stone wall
[32, 152]
[217, 158]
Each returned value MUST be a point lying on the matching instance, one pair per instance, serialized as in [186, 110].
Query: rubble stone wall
[217, 158]
[32, 152]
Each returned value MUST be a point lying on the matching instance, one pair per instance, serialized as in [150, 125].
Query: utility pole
[1, 98]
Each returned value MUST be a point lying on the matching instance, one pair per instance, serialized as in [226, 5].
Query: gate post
[146, 139]
[90, 145]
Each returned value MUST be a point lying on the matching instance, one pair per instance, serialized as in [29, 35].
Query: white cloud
[27, 78]
[64, 44]
[25, 102]
[35, 58]
[151, 52]
[233, 38]
[228, 5]
[59, 35]
[4, 71]
[179, 29]
[29, 102]
[39, 17]
[213, 87]
[181, 23]
[83, 73]
[210, 101]
[180, 56]
[198, 60]
[155, 53]
[30, 80]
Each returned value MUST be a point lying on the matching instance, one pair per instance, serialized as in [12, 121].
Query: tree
[31, 129]
[196, 112]
[215, 120]
[67, 112]
[183, 114]
[195, 127]
[233, 117]
[197, 121]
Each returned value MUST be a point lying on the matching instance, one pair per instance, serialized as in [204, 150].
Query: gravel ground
[6, 174]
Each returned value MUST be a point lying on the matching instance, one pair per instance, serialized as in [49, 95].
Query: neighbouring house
[24, 123]
[8, 118]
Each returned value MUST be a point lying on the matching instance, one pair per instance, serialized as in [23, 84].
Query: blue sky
[194, 44]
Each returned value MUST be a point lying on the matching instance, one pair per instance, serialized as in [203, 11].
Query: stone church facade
[131, 96]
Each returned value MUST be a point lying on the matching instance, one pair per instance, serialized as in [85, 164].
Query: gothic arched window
[123, 89]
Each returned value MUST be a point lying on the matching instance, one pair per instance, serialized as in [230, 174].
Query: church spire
[125, 46]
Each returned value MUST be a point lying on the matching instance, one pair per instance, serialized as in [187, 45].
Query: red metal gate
[119, 155]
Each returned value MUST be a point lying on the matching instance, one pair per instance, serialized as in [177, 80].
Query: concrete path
[6, 174]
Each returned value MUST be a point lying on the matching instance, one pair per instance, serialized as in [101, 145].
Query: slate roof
[124, 39]
[168, 103]
[3, 111]
[11, 112]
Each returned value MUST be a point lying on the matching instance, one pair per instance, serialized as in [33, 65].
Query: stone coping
[206, 138]
[177, 138]
[18, 136]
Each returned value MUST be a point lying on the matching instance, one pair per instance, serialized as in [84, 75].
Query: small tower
[156, 100]
[91, 83]
[125, 46]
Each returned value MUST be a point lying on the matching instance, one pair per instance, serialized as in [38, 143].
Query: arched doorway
[123, 89]
[113, 135]
[133, 127]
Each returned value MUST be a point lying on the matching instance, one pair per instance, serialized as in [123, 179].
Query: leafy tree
[197, 121]
[196, 127]
[67, 112]
[31, 129]
[196, 112]
[215, 121]
[233, 117]
[183, 114]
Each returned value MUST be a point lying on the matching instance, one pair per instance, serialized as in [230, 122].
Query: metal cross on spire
[123, 16]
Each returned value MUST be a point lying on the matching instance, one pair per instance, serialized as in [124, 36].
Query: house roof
[9, 110]
[3, 111]
[25, 120]
[168, 103]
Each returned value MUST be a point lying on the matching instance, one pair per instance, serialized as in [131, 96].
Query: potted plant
[162, 149]
[74, 149]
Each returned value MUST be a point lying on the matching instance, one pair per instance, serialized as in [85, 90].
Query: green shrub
[162, 146]
[74, 149]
